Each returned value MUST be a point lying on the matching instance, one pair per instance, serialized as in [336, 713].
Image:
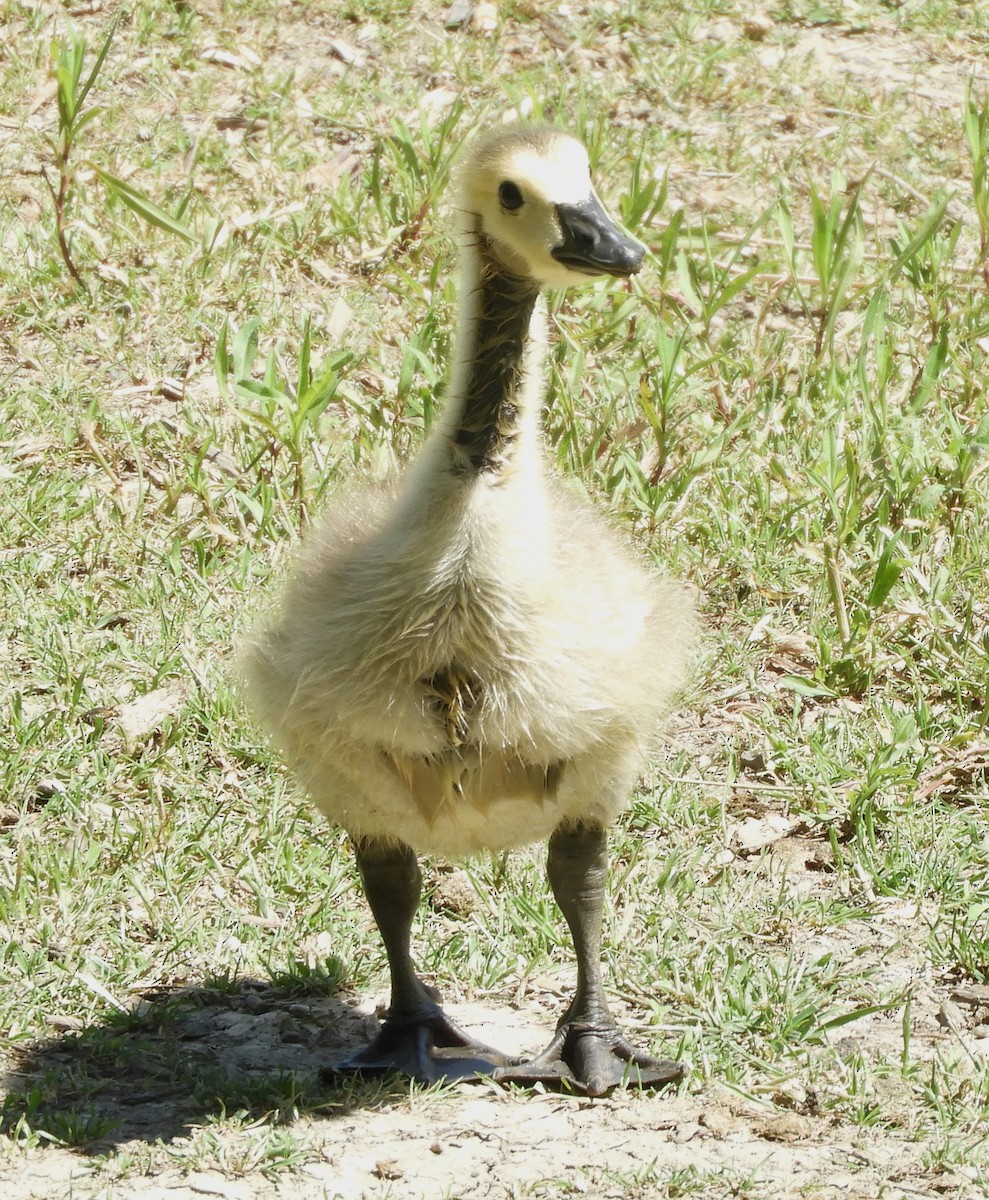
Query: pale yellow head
[528, 191]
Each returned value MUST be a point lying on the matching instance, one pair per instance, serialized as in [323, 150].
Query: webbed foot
[426, 1046]
[593, 1060]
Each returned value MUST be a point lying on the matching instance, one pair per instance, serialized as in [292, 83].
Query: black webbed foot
[588, 1052]
[593, 1060]
[417, 1038]
[426, 1046]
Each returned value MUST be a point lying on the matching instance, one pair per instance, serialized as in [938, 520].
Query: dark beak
[592, 243]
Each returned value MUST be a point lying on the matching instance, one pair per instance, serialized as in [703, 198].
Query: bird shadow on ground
[186, 1056]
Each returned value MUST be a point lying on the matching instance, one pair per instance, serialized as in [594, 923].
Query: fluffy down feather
[464, 670]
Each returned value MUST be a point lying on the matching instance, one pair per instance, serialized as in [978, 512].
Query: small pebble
[171, 389]
[784, 1127]
[458, 14]
[756, 27]
[485, 19]
[195, 1027]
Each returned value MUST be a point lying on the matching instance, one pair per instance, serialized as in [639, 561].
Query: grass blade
[145, 207]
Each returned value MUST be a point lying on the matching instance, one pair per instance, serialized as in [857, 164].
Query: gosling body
[469, 659]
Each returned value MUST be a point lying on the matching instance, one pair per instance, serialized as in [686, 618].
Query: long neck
[495, 390]
[476, 489]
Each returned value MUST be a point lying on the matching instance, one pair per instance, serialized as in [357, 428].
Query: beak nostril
[585, 235]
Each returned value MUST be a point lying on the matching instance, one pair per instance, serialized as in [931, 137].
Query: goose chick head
[526, 193]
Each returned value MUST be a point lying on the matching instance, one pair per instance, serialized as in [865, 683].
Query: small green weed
[72, 91]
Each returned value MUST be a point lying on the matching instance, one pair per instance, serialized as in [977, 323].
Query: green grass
[788, 409]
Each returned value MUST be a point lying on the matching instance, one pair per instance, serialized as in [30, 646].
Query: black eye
[510, 196]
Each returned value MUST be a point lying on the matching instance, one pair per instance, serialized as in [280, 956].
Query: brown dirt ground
[476, 1140]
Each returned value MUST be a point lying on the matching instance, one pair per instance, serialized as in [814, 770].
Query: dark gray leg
[417, 1038]
[588, 1049]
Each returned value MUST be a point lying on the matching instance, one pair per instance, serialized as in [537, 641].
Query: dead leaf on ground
[433, 106]
[138, 719]
[388, 1168]
[755, 833]
[329, 171]
[347, 52]
[786, 643]
[974, 994]
[958, 768]
[244, 60]
[338, 320]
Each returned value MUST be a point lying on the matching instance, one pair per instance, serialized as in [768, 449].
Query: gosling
[469, 659]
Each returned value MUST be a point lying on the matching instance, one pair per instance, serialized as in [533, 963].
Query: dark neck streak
[493, 376]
